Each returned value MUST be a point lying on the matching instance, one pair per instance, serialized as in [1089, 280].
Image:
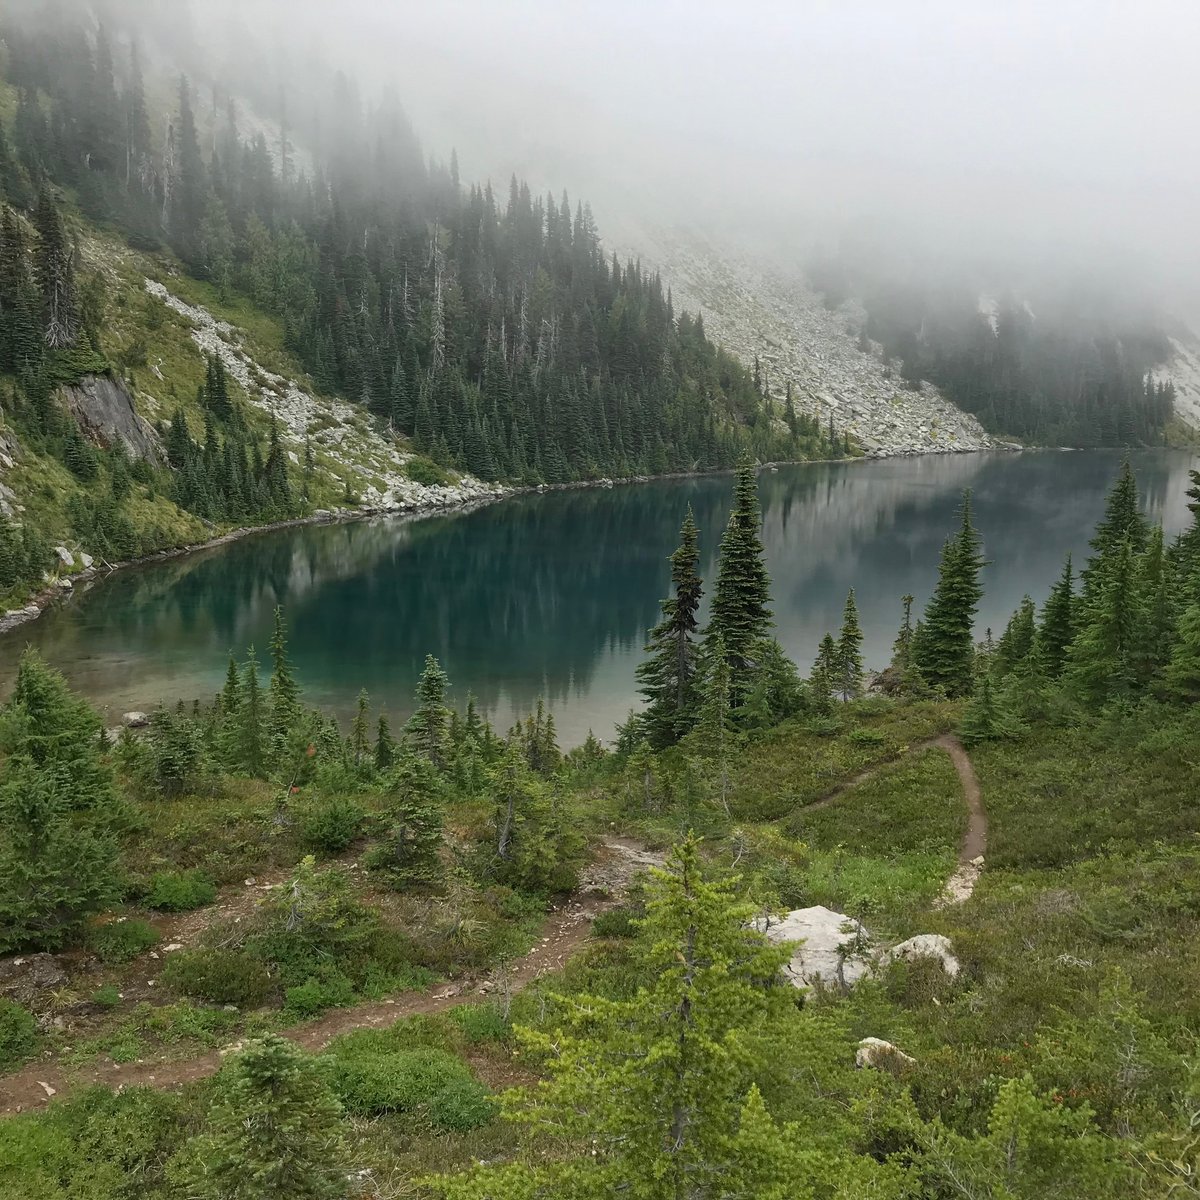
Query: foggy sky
[1033, 133]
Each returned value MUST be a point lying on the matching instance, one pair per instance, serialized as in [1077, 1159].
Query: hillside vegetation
[322, 327]
[359, 962]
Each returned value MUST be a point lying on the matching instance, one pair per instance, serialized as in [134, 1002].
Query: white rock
[47, 1088]
[65, 556]
[172, 947]
[925, 945]
[135, 720]
[86, 559]
[874, 1052]
[832, 946]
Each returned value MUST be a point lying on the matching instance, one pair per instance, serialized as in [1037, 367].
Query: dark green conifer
[740, 613]
[668, 677]
[944, 654]
[429, 727]
[1057, 630]
[848, 670]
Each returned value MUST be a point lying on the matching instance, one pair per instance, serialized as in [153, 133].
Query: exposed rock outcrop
[1183, 370]
[832, 946]
[925, 945]
[875, 1052]
[27, 976]
[104, 410]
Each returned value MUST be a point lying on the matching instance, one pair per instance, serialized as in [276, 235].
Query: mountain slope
[781, 324]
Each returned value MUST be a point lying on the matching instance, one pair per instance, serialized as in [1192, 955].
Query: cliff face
[104, 410]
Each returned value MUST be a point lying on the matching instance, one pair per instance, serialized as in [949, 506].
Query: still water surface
[552, 595]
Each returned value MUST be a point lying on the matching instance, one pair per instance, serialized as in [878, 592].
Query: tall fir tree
[660, 1086]
[944, 653]
[668, 677]
[849, 665]
[740, 613]
[1057, 629]
[284, 690]
[429, 727]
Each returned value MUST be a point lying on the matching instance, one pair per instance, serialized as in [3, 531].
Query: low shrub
[315, 995]
[329, 826]
[481, 1023]
[18, 1034]
[106, 997]
[122, 941]
[863, 735]
[427, 1082]
[617, 922]
[219, 976]
[180, 891]
[426, 472]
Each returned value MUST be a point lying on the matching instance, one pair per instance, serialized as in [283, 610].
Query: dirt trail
[866, 774]
[962, 883]
[601, 887]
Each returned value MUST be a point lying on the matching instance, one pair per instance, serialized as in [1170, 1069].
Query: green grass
[793, 765]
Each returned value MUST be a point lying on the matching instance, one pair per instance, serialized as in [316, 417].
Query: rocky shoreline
[464, 498]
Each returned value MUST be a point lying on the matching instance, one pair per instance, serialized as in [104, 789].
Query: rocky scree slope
[759, 313]
[343, 433]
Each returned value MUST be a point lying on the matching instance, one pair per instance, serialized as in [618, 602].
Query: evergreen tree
[385, 745]
[1123, 524]
[1183, 671]
[987, 717]
[56, 870]
[56, 731]
[528, 839]
[1057, 630]
[273, 1132]
[250, 750]
[849, 666]
[668, 676]
[58, 808]
[1102, 660]
[944, 654]
[660, 1086]
[429, 726]
[360, 738]
[740, 616]
[1017, 642]
[408, 854]
[1157, 593]
[823, 681]
[56, 276]
[284, 691]
[902, 646]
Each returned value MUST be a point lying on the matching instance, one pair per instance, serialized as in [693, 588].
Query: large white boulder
[925, 945]
[875, 1052]
[832, 946]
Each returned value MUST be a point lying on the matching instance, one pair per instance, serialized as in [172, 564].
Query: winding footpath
[602, 887]
[973, 847]
[564, 932]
